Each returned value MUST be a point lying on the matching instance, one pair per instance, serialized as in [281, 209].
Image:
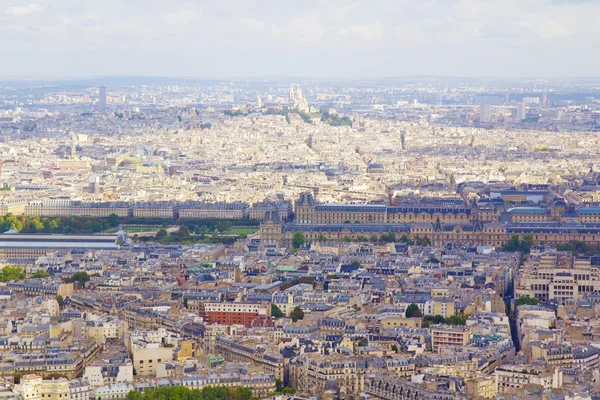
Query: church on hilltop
[297, 100]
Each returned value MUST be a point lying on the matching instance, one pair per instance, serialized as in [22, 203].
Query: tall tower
[521, 111]
[102, 98]
[484, 113]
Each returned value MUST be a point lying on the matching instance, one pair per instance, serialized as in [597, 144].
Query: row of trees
[299, 239]
[184, 236]
[429, 320]
[295, 315]
[334, 119]
[412, 311]
[35, 224]
[514, 244]
[184, 393]
[14, 273]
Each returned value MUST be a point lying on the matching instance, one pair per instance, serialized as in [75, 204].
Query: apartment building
[449, 335]
[229, 313]
[557, 275]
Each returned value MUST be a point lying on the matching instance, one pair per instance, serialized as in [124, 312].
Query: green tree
[527, 243]
[40, 274]
[81, 278]
[297, 314]
[276, 311]
[526, 300]
[412, 311]
[455, 320]
[185, 302]
[298, 240]
[347, 239]
[161, 234]
[10, 273]
[184, 232]
[61, 301]
[278, 385]
[113, 220]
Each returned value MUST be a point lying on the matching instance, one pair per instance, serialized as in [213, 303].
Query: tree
[347, 239]
[184, 232]
[527, 243]
[298, 240]
[527, 301]
[81, 278]
[113, 220]
[60, 301]
[276, 311]
[40, 274]
[185, 302]
[455, 320]
[10, 273]
[412, 311]
[278, 385]
[297, 314]
[161, 234]
[395, 348]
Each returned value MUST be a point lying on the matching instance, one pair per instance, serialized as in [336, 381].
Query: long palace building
[442, 221]
[14, 245]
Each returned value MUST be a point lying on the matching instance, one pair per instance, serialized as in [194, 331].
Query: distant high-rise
[544, 99]
[102, 98]
[259, 103]
[484, 113]
[521, 111]
[94, 184]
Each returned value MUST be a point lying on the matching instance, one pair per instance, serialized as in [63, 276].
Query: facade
[153, 210]
[557, 276]
[146, 358]
[212, 210]
[449, 335]
[15, 245]
[228, 313]
[252, 352]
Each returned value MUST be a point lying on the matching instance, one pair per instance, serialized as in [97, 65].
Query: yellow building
[482, 388]
[33, 387]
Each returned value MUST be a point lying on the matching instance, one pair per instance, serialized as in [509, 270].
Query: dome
[132, 160]
[559, 203]
[570, 213]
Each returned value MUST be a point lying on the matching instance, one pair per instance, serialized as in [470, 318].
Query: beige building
[34, 387]
[557, 275]
[482, 388]
[449, 335]
[147, 358]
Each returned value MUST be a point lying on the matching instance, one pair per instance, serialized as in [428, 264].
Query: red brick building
[231, 313]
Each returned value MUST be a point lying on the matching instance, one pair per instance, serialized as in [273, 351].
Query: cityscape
[387, 236]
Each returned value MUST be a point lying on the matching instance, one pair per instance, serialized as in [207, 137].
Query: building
[521, 111]
[228, 313]
[14, 245]
[102, 98]
[449, 335]
[194, 209]
[297, 100]
[34, 387]
[484, 113]
[557, 275]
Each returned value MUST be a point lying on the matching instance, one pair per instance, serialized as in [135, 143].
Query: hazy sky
[312, 38]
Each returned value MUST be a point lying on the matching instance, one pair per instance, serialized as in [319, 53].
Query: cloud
[23, 10]
[180, 17]
[300, 37]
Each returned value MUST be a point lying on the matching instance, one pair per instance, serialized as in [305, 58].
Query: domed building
[131, 162]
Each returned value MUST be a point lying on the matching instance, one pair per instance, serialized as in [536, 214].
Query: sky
[299, 38]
